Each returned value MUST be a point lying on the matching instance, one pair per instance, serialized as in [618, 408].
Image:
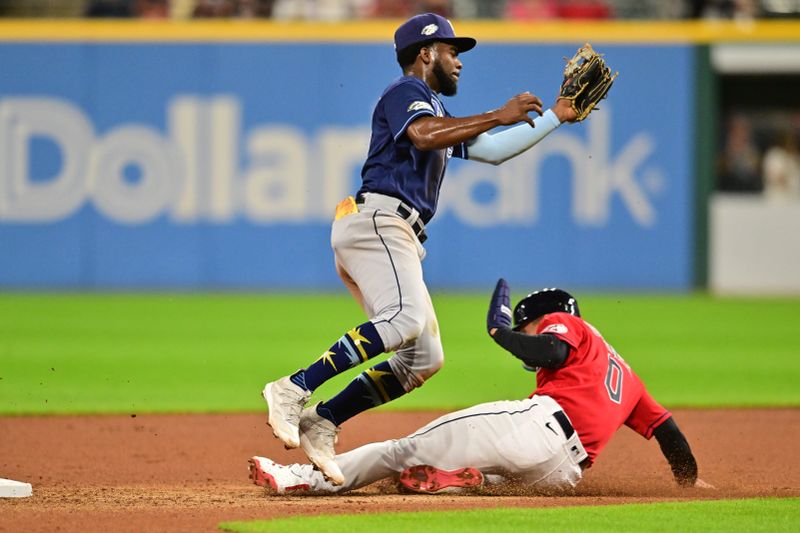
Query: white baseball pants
[519, 440]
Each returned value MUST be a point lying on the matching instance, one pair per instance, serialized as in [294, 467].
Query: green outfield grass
[707, 516]
[120, 353]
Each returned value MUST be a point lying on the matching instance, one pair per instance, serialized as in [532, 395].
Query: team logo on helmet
[430, 29]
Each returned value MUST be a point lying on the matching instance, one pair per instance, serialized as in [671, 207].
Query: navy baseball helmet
[427, 28]
[543, 302]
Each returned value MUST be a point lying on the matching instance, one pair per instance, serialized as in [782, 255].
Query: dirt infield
[189, 472]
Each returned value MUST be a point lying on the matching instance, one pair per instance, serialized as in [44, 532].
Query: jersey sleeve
[460, 151]
[403, 104]
[647, 416]
[564, 326]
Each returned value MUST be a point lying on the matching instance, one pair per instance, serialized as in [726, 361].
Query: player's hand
[517, 109]
[563, 110]
[700, 484]
[499, 315]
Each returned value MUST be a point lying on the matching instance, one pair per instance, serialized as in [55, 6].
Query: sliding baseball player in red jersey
[585, 392]
[589, 380]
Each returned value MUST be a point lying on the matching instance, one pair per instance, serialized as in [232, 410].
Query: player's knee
[434, 364]
[410, 324]
[413, 370]
[434, 361]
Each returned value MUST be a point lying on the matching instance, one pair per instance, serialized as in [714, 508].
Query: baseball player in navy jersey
[378, 235]
[584, 392]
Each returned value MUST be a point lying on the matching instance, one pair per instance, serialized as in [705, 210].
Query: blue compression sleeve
[499, 147]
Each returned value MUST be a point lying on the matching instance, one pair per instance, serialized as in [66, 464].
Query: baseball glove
[587, 80]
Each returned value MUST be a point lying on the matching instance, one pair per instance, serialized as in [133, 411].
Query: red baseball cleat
[428, 479]
[281, 479]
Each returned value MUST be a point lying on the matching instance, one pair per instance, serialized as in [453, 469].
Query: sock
[372, 388]
[352, 349]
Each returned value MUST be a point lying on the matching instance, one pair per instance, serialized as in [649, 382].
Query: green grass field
[722, 516]
[120, 353]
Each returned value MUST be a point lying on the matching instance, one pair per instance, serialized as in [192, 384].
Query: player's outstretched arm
[500, 147]
[587, 80]
[435, 133]
[679, 455]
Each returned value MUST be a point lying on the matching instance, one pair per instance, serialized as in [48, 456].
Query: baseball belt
[575, 448]
[404, 211]
[564, 422]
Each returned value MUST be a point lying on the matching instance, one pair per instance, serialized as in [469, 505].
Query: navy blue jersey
[394, 166]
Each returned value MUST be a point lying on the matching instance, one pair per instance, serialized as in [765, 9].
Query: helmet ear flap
[521, 313]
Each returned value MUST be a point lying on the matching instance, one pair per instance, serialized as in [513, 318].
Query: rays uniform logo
[419, 105]
[430, 29]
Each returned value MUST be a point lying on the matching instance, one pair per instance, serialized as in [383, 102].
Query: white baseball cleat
[317, 438]
[285, 401]
[282, 479]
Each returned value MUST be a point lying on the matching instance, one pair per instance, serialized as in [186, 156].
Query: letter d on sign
[22, 119]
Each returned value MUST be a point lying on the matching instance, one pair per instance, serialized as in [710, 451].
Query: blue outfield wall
[219, 166]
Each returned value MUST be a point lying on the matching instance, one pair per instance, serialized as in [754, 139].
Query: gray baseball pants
[379, 259]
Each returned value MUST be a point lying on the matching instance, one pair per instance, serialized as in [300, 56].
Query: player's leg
[497, 438]
[382, 259]
[355, 292]
[452, 441]
[414, 364]
[411, 367]
[387, 270]
[403, 314]
[362, 466]
[561, 469]
[287, 396]
[378, 259]
[291, 478]
[519, 440]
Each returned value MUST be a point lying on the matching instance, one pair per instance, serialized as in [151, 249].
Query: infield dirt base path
[189, 472]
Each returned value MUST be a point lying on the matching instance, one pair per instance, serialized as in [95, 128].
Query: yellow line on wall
[642, 32]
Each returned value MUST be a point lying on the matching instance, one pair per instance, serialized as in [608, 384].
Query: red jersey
[595, 386]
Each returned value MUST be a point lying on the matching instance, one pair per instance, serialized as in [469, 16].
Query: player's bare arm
[435, 133]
